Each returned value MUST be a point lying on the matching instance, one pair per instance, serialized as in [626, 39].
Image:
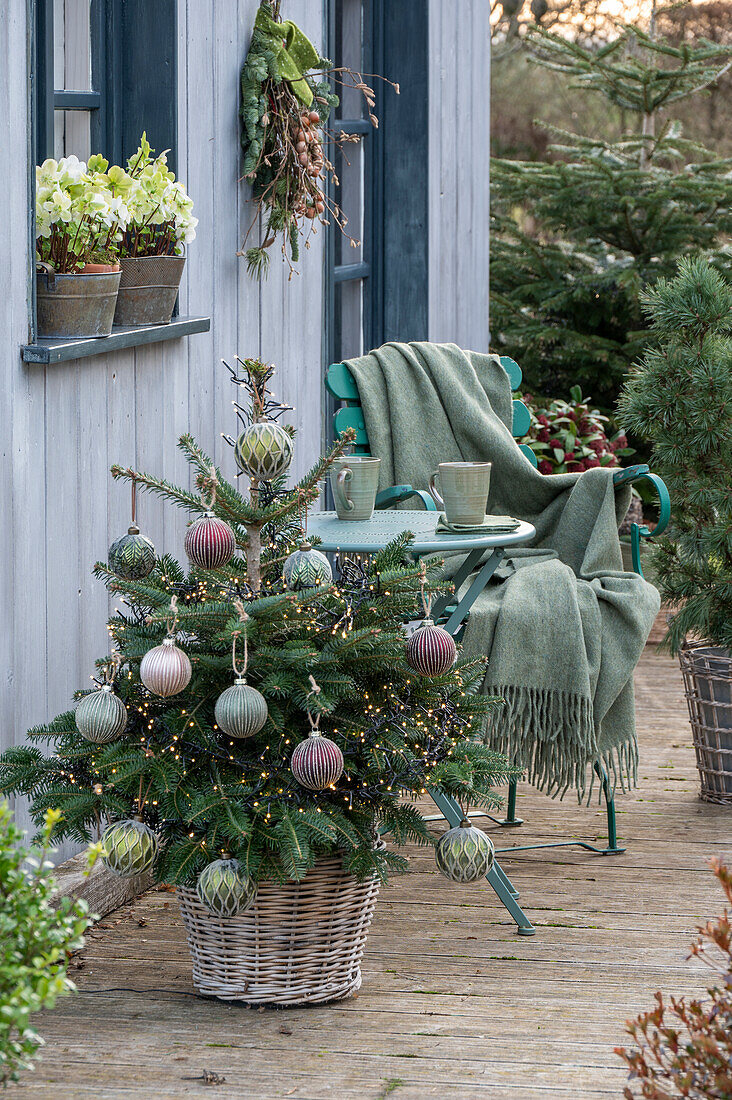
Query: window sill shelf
[61, 350]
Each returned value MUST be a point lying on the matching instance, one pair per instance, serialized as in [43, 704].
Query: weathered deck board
[454, 1004]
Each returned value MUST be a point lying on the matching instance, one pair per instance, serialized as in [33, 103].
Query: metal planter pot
[708, 685]
[75, 306]
[148, 290]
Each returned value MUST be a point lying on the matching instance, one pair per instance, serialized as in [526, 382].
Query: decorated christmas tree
[255, 712]
[576, 239]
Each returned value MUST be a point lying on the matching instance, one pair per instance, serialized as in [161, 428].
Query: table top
[369, 535]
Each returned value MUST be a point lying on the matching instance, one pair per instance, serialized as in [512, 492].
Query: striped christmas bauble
[165, 670]
[225, 889]
[241, 710]
[133, 556]
[264, 450]
[306, 568]
[101, 716]
[130, 847]
[464, 854]
[210, 542]
[431, 651]
[316, 762]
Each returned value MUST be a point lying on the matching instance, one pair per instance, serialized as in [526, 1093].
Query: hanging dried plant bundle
[286, 101]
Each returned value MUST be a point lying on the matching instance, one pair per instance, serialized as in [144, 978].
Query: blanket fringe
[552, 735]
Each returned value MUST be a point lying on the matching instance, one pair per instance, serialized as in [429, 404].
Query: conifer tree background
[205, 793]
[679, 399]
[575, 240]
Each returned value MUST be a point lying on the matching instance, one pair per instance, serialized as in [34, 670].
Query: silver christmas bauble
[264, 450]
[225, 889]
[130, 847]
[464, 853]
[132, 557]
[101, 716]
[241, 710]
[166, 670]
[306, 568]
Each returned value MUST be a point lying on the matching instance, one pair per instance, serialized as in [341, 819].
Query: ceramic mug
[465, 487]
[355, 480]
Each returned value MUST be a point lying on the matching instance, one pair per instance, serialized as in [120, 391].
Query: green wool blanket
[561, 624]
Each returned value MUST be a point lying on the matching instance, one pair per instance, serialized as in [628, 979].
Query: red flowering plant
[569, 436]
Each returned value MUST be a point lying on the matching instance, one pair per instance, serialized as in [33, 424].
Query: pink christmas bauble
[210, 542]
[165, 670]
[431, 651]
[316, 762]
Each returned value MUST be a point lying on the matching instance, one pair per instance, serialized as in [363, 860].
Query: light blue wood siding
[459, 154]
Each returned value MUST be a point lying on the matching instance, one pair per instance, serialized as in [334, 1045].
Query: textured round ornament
[464, 854]
[101, 716]
[306, 568]
[133, 556]
[130, 846]
[264, 450]
[241, 710]
[431, 651]
[316, 762]
[210, 542]
[224, 888]
[165, 670]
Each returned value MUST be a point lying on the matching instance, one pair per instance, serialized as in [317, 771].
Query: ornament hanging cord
[314, 691]
[426, 600]
[172, 620]
[240, 673]
[134, 501]
[112, 668]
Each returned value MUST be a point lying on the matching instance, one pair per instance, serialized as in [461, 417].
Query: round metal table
[370, 536]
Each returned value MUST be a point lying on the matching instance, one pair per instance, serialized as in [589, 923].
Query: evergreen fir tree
[607, 218]
[205, 793]
[680, 399]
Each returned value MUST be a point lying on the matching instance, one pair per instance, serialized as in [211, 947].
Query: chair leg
[497, 877]
[510, 820]
[612, 831]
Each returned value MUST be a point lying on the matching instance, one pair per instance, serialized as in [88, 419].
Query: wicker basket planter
[707, 674]
[300, 943]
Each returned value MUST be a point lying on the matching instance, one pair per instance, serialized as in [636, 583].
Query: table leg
[460, 577]
[460, 613]
[497, 877]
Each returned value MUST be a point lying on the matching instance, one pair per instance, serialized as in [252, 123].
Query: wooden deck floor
[453, 1004]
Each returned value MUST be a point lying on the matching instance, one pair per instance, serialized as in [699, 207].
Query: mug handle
[344, 475]
[433, 491]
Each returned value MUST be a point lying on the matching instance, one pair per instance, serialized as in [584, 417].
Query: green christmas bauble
[464, 854]
[101, 716]
[224, 888]
[264, 450]
[130, 846]
[306, 568]
[133, 556]
[241, 710]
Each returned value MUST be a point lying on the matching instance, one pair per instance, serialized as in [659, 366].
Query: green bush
[36, 940]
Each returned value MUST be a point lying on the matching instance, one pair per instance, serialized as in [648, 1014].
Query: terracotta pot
[99, 269]
[148, 290]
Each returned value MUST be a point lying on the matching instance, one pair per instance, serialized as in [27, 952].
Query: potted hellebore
[161, 223]
[79, 222]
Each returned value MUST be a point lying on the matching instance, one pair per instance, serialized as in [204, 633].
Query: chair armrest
[637, 530]
[387, 498]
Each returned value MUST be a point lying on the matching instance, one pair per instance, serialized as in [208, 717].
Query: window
[102, 72]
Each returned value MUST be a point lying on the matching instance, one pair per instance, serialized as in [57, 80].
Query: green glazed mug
[465, 487]
[355, 480]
